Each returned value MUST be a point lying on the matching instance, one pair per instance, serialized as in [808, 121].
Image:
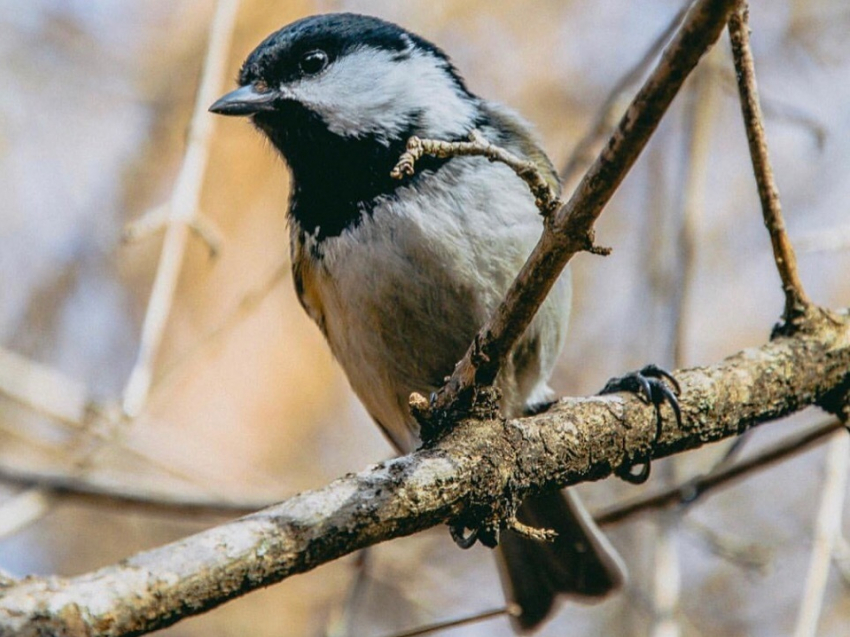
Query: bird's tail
[580, 562]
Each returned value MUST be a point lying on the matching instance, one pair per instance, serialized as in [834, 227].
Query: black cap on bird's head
[356, 74]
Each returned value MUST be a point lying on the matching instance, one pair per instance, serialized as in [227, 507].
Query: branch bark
[468, 474]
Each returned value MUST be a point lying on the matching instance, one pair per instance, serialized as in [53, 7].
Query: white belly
[401, 295]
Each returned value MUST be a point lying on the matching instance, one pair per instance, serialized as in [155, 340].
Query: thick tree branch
[471, 473]
[138, 498]
[570, 230]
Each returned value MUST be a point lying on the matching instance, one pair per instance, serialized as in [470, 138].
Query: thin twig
[796, 300]
[571, 229]
[827, 531]
[722, 476]
[182, 208]
[841, 558]
[545, 195]
[430, 629]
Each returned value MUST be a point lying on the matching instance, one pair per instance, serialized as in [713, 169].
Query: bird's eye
[313, 62]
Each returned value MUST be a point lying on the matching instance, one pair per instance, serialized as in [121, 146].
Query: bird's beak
[246, 100]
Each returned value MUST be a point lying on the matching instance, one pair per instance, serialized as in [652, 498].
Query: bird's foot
[655, 386]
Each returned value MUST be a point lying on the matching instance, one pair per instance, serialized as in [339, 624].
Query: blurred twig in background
[68, 400]
[181, 213]
[827, 534]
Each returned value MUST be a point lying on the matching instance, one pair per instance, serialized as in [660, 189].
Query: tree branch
[796, 300]
[470, 473]
[570, 230]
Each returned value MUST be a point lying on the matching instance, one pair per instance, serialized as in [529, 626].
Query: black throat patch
[336, 180]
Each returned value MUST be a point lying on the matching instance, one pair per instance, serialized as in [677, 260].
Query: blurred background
[244, 403]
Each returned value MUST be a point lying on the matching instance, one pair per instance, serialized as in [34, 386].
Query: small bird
[399, 275]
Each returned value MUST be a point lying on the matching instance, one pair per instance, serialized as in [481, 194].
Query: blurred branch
[87, 490]
[430, 629]
[832, 240]
[160, 217]
[182, 208]
[247, 304]
[35, 385]
[827, 533]
[841, 557]
[22, 509]
[796, 300]
[472, 473]
[722, 476]
[43, 389]
[672, 286]
[340, 620]
[746, 555]
[570, 230]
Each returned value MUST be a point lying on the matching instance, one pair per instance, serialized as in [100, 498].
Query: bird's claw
[487, 535]
[651, 385]
[655, 386]
[458, 535]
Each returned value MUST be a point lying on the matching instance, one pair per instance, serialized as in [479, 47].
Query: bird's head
[350, 77]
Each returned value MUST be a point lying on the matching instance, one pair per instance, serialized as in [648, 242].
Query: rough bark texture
[472, 474]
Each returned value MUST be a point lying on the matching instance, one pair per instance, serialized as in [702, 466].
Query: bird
[399, 275]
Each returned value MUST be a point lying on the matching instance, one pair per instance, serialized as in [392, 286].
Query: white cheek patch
[367, 92]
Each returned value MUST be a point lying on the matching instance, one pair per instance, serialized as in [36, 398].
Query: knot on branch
[487, 517]
[436, 421]
[805, 318]
[837, 400]
[585, 241]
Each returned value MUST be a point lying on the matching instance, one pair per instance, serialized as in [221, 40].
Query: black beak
[245, 101]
